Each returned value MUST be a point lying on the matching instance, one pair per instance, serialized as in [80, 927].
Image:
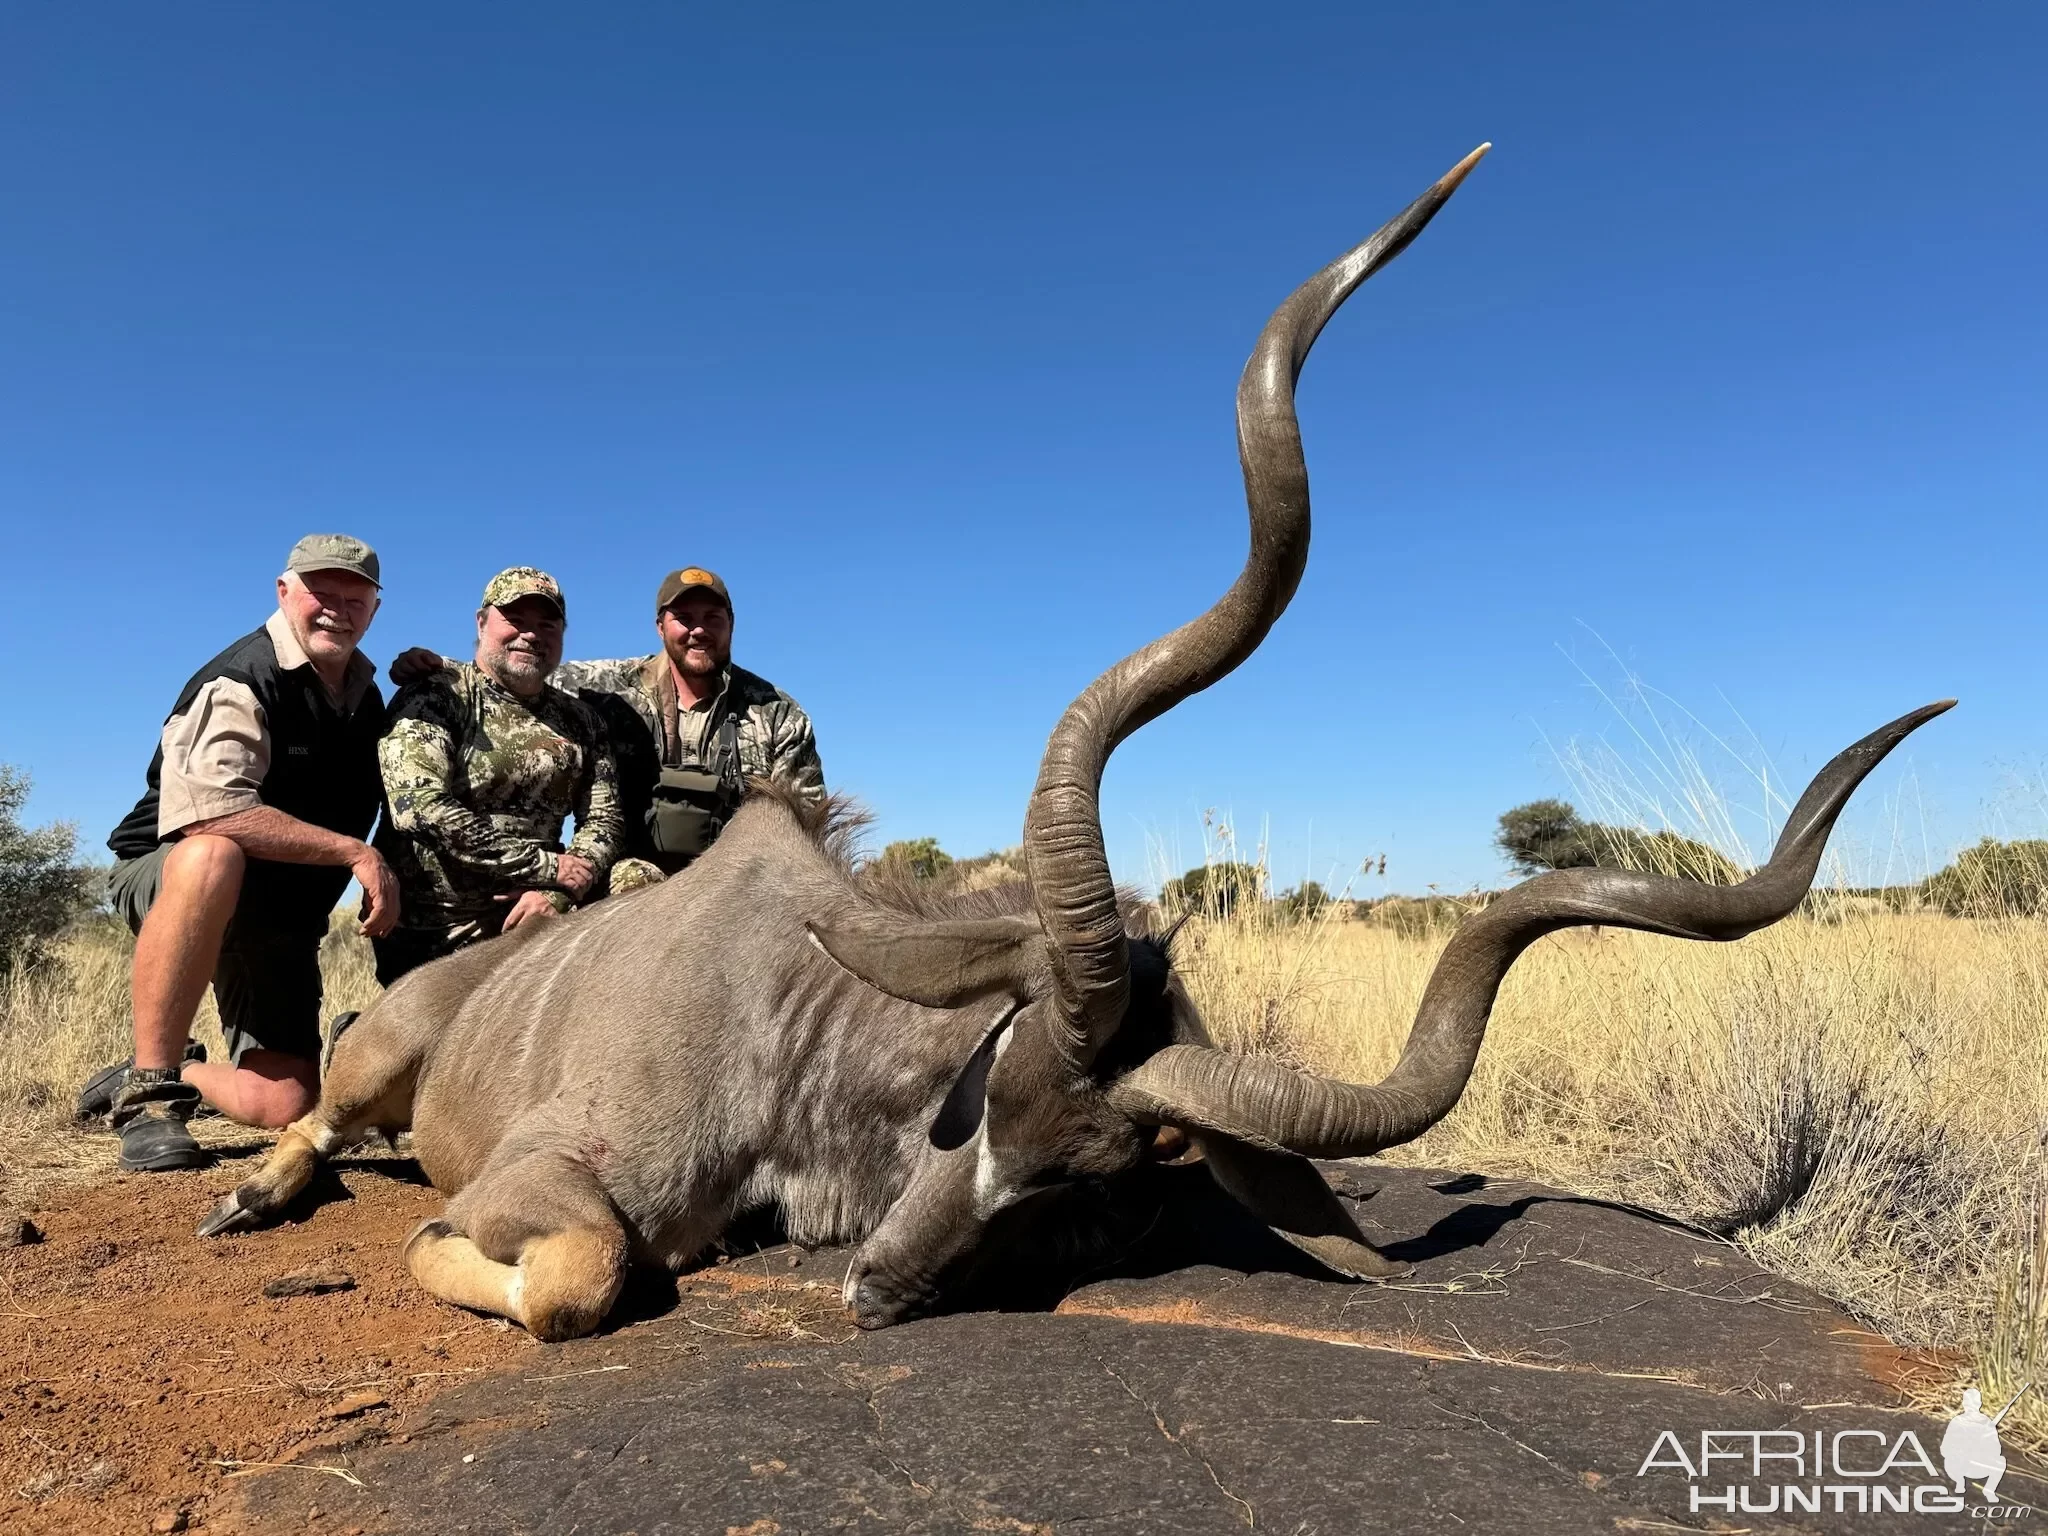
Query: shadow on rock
[1153, 1222]
[1477, 1223]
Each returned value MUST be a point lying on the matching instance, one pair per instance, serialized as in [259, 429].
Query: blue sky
[921, 325]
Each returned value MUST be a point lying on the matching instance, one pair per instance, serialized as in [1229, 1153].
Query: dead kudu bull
[763, 1031]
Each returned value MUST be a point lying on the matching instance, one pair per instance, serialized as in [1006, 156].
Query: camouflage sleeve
[597, 676]
[600, 820]
[417, 760]
[796, 754]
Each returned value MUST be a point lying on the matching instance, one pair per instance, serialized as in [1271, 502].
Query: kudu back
[765, 1030]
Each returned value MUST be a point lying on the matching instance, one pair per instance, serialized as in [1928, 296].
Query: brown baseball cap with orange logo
[691, 578]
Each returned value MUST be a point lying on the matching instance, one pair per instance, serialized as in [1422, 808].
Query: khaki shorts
[267, 983]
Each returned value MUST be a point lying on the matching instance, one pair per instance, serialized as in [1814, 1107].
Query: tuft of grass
[2013, 1354]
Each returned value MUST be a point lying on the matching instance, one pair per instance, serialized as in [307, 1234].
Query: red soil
[141, 1367]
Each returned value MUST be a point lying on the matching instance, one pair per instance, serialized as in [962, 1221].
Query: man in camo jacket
[684, 707]
[481, 764]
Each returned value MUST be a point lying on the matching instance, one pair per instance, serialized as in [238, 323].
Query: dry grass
[1862, 1099]
[59, 1023]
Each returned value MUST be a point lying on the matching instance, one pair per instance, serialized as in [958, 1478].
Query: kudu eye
[1170, 1144]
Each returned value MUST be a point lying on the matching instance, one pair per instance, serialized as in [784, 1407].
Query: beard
[699, 661]
[515, 665]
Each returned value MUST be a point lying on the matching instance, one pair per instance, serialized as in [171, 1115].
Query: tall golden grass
[62, 1021]
[1859, 1102]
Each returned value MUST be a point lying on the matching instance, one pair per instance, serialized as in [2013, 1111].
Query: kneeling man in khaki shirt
[263, 787]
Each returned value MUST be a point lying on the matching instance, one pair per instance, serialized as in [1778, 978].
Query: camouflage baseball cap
[334, 552]
[509, 586]
[691, 578]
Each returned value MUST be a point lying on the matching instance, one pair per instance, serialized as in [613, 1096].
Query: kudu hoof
[229, 1214]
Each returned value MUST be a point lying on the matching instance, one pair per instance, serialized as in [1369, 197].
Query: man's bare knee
[285, 1103]
[204, 866]
[276, 1088]
[285, 1099]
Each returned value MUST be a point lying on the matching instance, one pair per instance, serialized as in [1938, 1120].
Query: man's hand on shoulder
[415, 663]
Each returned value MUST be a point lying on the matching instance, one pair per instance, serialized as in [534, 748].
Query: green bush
[1545, 834]
[1214, 890]
[922, 856]
[1550, 834]
[1993, 879]
[1664, 853]
[41, 889]
[1304, 902]
[1418, 917]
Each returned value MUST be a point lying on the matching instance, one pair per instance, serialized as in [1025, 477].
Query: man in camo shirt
[481, 765]
[684, 710]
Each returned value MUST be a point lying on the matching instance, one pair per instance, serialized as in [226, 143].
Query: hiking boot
[150, 1113]
[336, 1028]
[96, 1098]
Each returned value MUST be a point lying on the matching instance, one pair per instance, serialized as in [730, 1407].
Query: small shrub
[41, 889]
[922, 857]
[1214, 890]
[1418, 917]
[1993, 879]
[1304, 903]
[1664, 853]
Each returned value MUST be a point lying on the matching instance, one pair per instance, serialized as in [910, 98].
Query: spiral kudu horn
[1075, 896]
[1271, 1105]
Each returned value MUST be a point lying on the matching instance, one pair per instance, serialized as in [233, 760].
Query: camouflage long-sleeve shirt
[775, 739]
[477, 784]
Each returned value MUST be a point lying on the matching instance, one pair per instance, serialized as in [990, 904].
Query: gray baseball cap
[334, 552]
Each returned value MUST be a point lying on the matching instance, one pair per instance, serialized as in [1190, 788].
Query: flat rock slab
[1517, 1381]
[1516, 1273]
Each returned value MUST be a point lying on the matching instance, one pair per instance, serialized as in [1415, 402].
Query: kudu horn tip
[1906, 724]
[1813, 818]
[1458, 172]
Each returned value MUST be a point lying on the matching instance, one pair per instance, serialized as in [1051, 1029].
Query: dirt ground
[145, 1370]
[148, 1384]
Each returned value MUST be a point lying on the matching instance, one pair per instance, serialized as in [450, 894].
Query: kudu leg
[535, 1240]
[368, 1087]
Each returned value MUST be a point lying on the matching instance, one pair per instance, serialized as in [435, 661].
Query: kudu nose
[874, 1307]
[877, 1301]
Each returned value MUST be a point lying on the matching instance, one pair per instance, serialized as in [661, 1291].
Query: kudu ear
[943, 964]
[1288, 1195]
[960, 1116]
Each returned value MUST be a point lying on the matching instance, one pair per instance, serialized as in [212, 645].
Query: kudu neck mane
[834, 826]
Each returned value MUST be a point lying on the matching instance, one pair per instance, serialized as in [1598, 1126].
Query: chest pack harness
[692, 804]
